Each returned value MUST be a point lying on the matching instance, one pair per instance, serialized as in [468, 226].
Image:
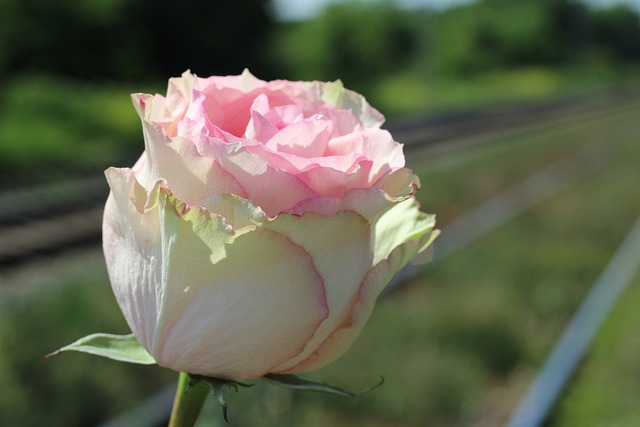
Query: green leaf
[297, 383]
[124, 348]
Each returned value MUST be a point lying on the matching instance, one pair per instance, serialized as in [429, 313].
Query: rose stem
[188, 402]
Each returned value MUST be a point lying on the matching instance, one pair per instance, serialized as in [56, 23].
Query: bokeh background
[459, 343]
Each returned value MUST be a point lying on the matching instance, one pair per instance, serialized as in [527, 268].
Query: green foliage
[606, 389]
[72, 389]
[494, 34]
[408, 93]
[52, 126]
[617, 33]
[142, 40]
[485, 51]
[361, 42]
[356, 42]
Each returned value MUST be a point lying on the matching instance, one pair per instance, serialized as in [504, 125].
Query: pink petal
[190, 176]
[386, 153]
[346, 144]
[259, 127]
[344, 122]
[245, 82]
[272, 189]
[306, 138]
[331, 182]
[368, 202]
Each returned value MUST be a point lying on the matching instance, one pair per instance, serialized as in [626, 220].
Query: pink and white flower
[257, 229]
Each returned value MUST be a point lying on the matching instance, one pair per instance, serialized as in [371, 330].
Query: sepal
[217, 386]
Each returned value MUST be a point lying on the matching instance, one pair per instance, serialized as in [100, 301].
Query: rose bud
[260, 224]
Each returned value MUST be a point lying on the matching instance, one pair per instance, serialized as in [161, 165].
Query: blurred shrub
[356, 42]
[407, 61]
[490, 338]
[131, 40]
[499, 33]
[71, 389]
[617, 31]
[52, 126]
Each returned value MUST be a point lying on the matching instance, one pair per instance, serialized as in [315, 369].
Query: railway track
[51, 219]
[420, 132]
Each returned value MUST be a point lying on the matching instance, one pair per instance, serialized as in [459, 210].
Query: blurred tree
[70, 37]
[493, 34]
[617, 31]
[354, 41]
[210, 37]
[132, 40]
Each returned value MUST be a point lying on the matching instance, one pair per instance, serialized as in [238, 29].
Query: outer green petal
[402, 223]
[401, 233]
[234, 304]
[336, 95]
[238, 212]
[340, 248]
[201, 296]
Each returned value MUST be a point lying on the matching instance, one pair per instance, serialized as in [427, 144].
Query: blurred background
[520, 116]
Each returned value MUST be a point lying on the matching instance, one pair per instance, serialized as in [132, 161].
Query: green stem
[188, 403]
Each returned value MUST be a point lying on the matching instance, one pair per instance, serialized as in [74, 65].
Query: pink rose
[257, 229]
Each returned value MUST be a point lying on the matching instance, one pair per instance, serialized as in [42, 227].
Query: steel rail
[581, 331]
[418, 132]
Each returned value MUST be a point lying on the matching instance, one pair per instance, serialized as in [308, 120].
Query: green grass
[51, 128]
[453, 183]
[606, 388]
[408, 93]
[71, 389]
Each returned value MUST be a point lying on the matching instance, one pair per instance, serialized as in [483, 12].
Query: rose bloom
[260, 224]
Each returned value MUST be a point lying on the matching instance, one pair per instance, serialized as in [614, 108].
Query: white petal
[351, 326]
[336, 95]
[398, 235]
[235, 304]
[130, 241]
[340, 248]
[191, 176]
